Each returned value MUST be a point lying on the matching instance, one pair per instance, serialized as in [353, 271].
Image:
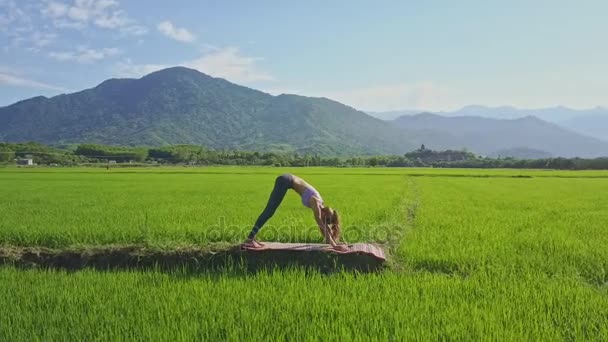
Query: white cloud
[226, 63]
[41, 39]
[84, 54]
[17, 81]
[398, 96]
[35, 41]
[112, 21]
[100, 13]
[126, 68]
[11, 13]
[56, 9]
[15, 19]
[178, 33]
[68, 24]
[135, 30]
[34, 25]
[31, 39]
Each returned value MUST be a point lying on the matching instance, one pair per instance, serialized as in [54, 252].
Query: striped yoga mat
[357, 248]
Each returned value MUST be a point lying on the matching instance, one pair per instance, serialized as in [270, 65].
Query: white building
[25, 161]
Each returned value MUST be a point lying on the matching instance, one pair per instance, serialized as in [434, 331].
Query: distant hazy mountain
[592, 122]
[490, 136]
[183, 106]
[521, 153]
[553, 114]
[392, 115]
[595, 125]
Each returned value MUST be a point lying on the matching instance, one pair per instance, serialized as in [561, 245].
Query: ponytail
[335, 226]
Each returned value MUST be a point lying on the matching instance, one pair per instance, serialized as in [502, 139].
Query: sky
[372, 55]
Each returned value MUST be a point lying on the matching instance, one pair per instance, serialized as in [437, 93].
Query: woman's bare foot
[253, 243]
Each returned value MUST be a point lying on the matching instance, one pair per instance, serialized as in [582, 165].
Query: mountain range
[505, 137]
[184, 106]
[592, 122]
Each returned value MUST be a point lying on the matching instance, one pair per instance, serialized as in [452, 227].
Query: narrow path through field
[412, 200]
[404, 222]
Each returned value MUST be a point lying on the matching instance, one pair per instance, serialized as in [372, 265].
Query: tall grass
[293, 305]
[474, 257]
[555, 226]
[67, 208]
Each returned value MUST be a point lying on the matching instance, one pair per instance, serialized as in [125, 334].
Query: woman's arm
[324, 229]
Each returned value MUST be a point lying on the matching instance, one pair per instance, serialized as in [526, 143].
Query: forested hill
[183, 106]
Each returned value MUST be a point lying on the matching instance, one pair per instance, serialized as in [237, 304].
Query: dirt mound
[191, 259]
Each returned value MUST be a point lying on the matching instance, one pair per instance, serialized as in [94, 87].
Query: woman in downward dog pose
[327, 219]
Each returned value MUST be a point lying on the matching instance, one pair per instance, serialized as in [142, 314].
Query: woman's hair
[332, 220]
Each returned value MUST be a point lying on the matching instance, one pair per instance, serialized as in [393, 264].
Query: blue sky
[373, 55]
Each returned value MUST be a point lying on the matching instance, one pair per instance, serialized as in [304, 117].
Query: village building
[25, 161]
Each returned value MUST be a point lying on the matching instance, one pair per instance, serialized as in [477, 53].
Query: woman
[327, 219]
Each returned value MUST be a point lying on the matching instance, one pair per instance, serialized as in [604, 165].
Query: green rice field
[473, 255]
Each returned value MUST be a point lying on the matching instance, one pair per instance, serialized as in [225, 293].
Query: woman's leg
[281, 185]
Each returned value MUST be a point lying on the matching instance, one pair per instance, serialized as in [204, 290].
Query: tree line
[198, 155]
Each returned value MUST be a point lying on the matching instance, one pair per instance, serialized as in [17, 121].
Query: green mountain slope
[183, 106]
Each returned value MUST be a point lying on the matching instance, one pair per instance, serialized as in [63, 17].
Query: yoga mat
[357, 248]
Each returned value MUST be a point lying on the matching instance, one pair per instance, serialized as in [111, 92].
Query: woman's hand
[340, 247]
